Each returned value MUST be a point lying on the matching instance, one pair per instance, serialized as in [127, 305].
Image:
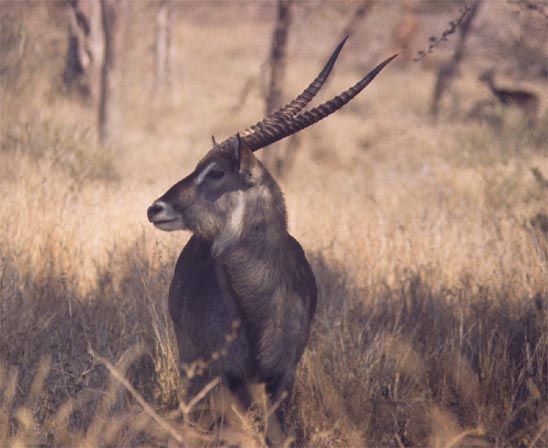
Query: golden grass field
[428, 239]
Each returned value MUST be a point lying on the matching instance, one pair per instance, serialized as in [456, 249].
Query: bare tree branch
[110, 104]
[276, 160]
[448, 71]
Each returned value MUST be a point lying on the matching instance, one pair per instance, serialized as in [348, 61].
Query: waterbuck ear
[248, 165]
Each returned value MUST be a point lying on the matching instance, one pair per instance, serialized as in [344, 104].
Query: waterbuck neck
[257, 220]
[253, 260]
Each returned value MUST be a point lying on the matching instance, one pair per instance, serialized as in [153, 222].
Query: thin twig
[543, 429]
[462, 435]
[452, 27]
[186, 408]
[116, 374]
[527, 5]
[276, 405]
[398, 439]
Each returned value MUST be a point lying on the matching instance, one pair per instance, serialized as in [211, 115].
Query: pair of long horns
[288, 119]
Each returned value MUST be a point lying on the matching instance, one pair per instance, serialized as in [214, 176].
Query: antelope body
[524, 99]
[241, 265]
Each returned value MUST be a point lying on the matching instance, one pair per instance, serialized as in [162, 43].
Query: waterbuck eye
[215, 174]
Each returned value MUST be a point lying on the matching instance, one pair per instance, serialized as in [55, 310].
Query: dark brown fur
[241, 265]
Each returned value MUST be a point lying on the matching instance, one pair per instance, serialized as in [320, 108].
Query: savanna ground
[428, 239]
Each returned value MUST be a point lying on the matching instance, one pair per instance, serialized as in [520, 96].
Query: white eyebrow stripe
[205, 172]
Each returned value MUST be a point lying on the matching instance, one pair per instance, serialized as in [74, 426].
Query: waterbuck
[241, 265]
[523, 99]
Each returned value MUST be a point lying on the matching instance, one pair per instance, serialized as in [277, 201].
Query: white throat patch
[234, 226]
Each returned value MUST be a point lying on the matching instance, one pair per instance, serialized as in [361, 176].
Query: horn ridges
[306, 96]
[265, 133]
[298, 103]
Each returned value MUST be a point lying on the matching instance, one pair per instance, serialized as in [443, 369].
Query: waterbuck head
[230, 183]
[212, 200]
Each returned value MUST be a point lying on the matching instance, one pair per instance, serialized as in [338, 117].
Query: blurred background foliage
[428, 235]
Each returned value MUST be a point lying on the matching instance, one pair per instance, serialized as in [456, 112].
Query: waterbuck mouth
[169, 225]
[163, 221]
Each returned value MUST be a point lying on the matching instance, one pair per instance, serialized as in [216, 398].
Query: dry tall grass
[429, 244]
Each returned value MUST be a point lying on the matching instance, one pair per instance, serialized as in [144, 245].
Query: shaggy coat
[241, 268]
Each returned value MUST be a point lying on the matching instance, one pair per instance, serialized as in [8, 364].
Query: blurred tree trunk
[110, 103]
[93, 61]
[361, 11]
[278, 158]
[448, 70]
[85, 52]
[163, 54]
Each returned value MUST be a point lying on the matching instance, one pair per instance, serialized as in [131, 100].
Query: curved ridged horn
[297, 104]
[259, 136]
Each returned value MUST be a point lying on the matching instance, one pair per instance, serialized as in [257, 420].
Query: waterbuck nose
[154, 209]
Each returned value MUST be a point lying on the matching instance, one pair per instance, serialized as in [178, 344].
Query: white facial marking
[234, 226]
[204, 173]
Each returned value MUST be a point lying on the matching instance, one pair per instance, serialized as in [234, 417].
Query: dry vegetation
[429, 242]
